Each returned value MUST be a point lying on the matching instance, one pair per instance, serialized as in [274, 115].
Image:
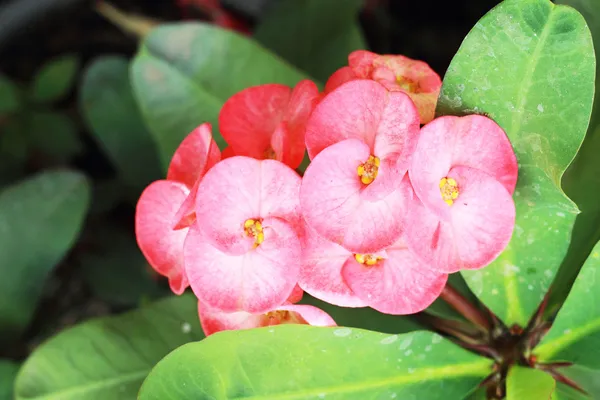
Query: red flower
[165, 208]
[269, 121]
[396, 73]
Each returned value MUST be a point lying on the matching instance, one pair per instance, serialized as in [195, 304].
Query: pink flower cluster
[385, 210]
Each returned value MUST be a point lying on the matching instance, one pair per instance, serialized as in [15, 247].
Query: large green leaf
[575, 334]
[183, 73]
[54, 79]
[10, 98]
[54, 134]
[8, 372]
[40, 218]
[107, 104]
[527, 383]
[530, 66]
[587, 379]
[108, 358]
[581, 180]
[314, 35]
[304, 362]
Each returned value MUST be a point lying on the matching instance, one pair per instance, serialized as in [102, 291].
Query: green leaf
[10, 100]
[527, 383]
[116, 270]
[106, 101]
[54, 134]
[305, 362]
[365, 318]
[55, 79]
[587, 379]
[8, 372]
[530, 66]
[14, 148]
[580, 180]
[575, 334]
[108, 358]
[314, 35]
[183, 73]
[40, 219]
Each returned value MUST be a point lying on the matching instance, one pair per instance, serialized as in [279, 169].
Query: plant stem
[464, 307]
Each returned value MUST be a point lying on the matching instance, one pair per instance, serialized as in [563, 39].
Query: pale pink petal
[334, 202]
[256, 281]
[321, 273]
[196, 154]
[338, 78]
[154, 220]
[398, 284]
[186, 215]
[479, 225]
[248, 118]
[472, 141]
[242, 188]
[311, 315]
[483, 217]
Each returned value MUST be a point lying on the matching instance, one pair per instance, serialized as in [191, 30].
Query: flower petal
[242, 188]
[296, 295]
[338, 78]
[338, 206]
[363, 109]
[249, 118]
[321, 273]
[161, 244]
[480, 224]
[399, 284]
[256, 281]
[312, 315]
[196, 154]
[472, 141]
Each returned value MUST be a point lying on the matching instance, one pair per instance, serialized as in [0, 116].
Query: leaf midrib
[473, 369]
[515, 309]
[107, 383]
[548, 350]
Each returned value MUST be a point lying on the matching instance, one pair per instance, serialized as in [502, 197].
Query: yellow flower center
[367, 259]
[449, 190]
[407, 84]
[367, 171]
[269, 154]
[253, 228]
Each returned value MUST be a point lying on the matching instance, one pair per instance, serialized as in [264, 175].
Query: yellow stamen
[407, 84]
[270, 154]
[367, 171]
[449, 190]
[367, 259]
[253, 228]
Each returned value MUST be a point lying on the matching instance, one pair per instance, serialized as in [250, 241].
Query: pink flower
[396, 73]
[463, 172]
[243, 252]
[392, 280]
[164, 210]
[268, 121]
[360, 138]
[214, 320]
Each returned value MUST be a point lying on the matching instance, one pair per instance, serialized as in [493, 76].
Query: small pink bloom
[396, 73]
[243, 252]
[463, 172]
[165, 208]
[268, 121]
[392, 280]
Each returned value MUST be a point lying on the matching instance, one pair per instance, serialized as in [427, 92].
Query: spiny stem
[464, 307]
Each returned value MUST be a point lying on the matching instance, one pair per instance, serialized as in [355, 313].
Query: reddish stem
[464, 307]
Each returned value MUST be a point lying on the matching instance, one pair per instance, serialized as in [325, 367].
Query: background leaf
[107, 104]
[108, 358]
[314, 35]
[9, 96]
[544, 107]
[304, 362]
[40, 218]
[575, 334]
[528, 383]
[54, 134]
[55, 79]
[8, 373]
[587, 379]
[183, 73]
